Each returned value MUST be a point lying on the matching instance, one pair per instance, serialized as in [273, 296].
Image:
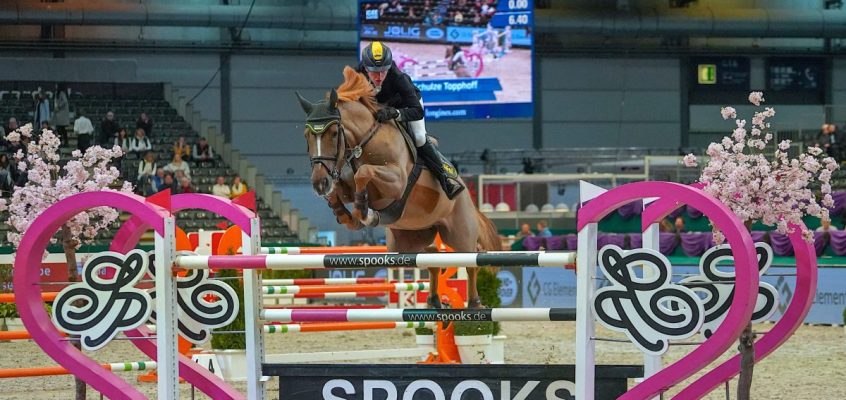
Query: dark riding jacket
[399, 92]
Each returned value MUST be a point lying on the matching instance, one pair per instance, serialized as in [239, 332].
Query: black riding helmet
[376, 57]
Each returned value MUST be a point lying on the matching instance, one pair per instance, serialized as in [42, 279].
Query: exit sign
[719, 74]
[707, 74]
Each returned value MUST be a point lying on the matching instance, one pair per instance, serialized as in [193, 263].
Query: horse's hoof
[434, 302]
[475, 302]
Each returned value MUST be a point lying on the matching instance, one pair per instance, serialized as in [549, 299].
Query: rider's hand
[387, 114]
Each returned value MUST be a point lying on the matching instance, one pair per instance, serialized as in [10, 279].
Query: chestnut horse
[355, 159]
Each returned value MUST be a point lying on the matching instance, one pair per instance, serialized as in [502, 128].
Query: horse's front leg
[342, 215]
[389, 180]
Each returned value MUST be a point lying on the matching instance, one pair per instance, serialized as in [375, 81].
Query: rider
[402, 102]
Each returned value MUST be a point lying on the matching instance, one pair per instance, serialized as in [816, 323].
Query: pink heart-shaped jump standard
[127, 237]
[28, 295]
[743, 250]
[793, 317]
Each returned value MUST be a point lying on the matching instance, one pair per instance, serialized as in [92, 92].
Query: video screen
[471, 59]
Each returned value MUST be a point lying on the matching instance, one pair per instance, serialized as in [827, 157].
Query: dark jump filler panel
[431, 382]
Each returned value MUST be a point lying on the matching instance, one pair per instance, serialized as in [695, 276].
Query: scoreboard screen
[470, 60]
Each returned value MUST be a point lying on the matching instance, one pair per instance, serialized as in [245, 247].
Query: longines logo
[534, 288]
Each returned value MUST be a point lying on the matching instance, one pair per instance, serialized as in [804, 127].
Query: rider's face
[377, 77]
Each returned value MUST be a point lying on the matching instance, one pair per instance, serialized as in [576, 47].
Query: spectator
[678, 224]
[826, 226]
[220, 187]
[108, 129]
[180, 148]
[427, 17]
[169, 183]
[202, 151]
[61, 116]
[144, 122]
[459, 17]
[42, 109]
[543, 231]
[12, 126]
[238, 188]
[140, 143]
[5, 175]
[831, 141]
[178, 175]
[146, 168]
[122, 140]
[666, 226]
[44, 125]
[83, 129]
[157, 183]
[185, 186]
[477, 19]
[525, 230]
[13, 148]
[178, 165]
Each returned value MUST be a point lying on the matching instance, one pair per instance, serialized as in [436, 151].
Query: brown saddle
[409, 140]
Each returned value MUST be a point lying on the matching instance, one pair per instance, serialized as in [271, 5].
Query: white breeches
[418, 130]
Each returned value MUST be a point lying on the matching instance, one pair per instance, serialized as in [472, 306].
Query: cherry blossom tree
[48, 182]
[762, 182]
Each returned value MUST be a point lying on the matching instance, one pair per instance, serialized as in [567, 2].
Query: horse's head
[324, 135]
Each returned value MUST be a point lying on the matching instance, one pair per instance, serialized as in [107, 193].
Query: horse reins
[350, 154]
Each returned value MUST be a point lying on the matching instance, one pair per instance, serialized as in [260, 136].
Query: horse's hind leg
[403, 241]
[461, 232]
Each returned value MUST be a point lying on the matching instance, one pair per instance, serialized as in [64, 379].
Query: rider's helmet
[376, 57]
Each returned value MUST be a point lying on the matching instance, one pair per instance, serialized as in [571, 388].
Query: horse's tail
[488, 234]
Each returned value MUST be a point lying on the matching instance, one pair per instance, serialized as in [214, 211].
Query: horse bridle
[343, 153]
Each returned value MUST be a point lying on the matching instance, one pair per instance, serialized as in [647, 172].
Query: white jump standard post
[166, 314]
[252, 322]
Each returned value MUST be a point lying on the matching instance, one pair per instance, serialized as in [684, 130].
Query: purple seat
[820, 241]
[572, 241]
[759, 236]
[667, 242]
[837, 239]
[781, 244]
[555, 243]
[534, 243]
[695, 244]
[604, 239]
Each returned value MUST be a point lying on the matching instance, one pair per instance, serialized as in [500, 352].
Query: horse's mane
[357, 88]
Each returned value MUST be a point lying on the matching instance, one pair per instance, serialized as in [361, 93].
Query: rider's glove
[387, 114]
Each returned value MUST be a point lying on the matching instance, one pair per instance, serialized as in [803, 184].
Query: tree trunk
[69, 247]
[747, 362]
[745, 345]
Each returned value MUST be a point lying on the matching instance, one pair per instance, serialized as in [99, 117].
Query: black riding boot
[441, 168]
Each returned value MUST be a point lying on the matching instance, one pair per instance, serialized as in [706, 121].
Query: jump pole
[57, 370]
[326, 296]
[345, 326]
[324, 250]
[322, 281]
[377, 260]
[320, 289]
